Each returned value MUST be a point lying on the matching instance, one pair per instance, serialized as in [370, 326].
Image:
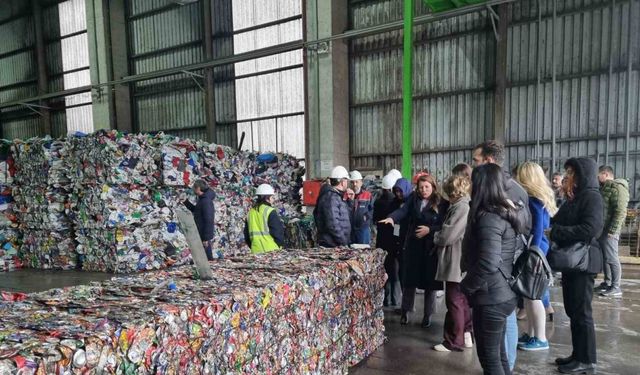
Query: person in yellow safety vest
[263, 230]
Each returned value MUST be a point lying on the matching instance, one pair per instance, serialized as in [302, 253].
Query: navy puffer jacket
[332, 216]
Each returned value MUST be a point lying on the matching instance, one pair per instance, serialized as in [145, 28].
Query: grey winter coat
[448, 242]
[333, 221]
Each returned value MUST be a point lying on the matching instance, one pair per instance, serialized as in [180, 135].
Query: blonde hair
[457, 186]
[531, 176]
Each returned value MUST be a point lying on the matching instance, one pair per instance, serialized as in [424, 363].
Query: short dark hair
[607, 169]
[334, 181]
[492, 149]
[462, 169]
[201, 184]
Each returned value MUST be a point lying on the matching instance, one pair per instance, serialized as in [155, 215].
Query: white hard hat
[339, 172]
[389, 181]
[395, 173]
[265, 189]
[355, 175]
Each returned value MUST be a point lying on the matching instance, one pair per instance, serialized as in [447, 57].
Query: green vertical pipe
[407, 88]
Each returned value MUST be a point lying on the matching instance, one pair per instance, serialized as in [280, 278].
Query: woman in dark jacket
[425, 210]
[580, 219]
[493, 227]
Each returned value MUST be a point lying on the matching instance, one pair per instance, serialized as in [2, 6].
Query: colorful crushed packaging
[312, 311]
[10, 237]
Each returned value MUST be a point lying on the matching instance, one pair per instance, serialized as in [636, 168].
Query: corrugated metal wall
[66, 53]
[164, 35]
[270, 90]
[454, 82]
[453, 88]
[596, 88]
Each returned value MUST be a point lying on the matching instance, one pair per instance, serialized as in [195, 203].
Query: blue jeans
[511, 339]
[362, 236]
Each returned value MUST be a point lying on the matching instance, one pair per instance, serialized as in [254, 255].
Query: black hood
[208, 194]
[586, 172]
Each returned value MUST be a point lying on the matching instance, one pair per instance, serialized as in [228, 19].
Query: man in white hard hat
[263, 230]
[387, 240]
[361, 205]
[332, 215]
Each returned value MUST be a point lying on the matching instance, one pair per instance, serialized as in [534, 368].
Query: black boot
[563, 361]
[426, 322]
[404, 317]
[576, 367]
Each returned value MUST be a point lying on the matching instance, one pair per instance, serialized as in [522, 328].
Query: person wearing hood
[580, 219]
[615, 194]
[425, 211]
[385, 239]
[332, 214]
[401, 192]
[203, 214]
[361, 205]
[263, 229]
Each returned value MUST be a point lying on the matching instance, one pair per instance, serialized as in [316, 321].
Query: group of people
[464, 237]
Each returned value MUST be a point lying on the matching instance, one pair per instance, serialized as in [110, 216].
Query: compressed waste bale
[312, 311]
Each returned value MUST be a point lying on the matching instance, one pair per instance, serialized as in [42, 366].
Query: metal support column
[43, 84]
[209, 89]
[539, 96]
[553, 88]
[610, 84]
[501, 75]
[407, 89]
[632, 35]
[120, 96]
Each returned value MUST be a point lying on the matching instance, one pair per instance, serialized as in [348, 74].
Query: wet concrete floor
[408, 348]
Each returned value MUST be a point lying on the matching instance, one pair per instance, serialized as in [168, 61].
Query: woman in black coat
[580, 219]
[488, 251]
[425, 210]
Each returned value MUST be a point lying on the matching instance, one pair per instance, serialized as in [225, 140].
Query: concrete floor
[408, 349]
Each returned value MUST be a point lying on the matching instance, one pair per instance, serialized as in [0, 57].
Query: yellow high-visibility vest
[261, 240]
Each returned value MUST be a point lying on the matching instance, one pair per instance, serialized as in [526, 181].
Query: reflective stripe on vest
[261, 240]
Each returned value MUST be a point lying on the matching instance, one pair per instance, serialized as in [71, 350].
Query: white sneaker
[468, 340]
[441, 348]
[440, 293]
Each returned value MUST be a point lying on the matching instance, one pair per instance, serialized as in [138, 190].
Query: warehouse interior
[111, 110]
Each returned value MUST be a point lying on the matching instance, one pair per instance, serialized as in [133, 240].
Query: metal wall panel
[171, 110]
[453, 79]
[22, 128]
[596, 94]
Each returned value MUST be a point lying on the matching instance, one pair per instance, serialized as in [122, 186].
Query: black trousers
[577, 293]
[489, 325]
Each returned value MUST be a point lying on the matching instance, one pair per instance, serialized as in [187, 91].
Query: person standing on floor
[361, 211]
[448, 241]
[542, 206]
[615, 193]
[494, 227]
[402, 193]
[492, 152]
[556, 185]
[425, 210]
[263, 229]
[580, 219]
[332, 215]
[203, 214]
[386, 240]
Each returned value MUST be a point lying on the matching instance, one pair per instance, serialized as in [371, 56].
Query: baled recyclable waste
[312, 311]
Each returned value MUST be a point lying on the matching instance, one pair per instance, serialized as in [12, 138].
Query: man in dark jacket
[332, 214]
[386, 240]
[580, 220]
[361, 211]
[203, 214]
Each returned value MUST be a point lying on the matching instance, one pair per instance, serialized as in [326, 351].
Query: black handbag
[571, 258]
